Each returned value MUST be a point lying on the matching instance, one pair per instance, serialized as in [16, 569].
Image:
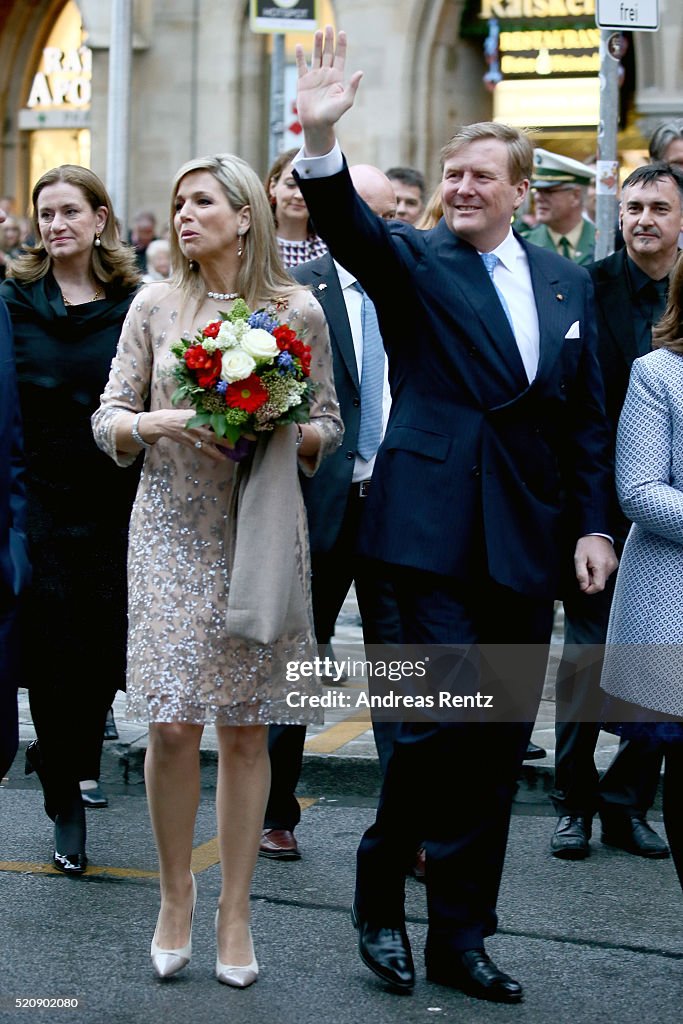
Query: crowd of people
[482, 371]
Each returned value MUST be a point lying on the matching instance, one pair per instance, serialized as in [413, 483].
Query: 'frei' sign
[628, 15]
[284, 15]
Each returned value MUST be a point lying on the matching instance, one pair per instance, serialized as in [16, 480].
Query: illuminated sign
[561, 103]
[537, 9]
[558, 51]
[64, 79]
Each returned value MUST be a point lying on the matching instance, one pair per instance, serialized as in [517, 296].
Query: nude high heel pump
[167, 962]
[238, 977]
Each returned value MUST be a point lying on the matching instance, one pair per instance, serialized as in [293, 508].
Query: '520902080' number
[49, 1002]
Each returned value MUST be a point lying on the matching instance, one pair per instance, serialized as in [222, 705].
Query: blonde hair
[261, 276]
[668, 333]
[111, 261]
[433, 211]
[520, 147]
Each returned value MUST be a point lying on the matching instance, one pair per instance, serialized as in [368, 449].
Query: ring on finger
[198, 444]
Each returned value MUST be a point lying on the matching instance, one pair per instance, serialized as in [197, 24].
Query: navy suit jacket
[326, 494]
[14, 563]
[478, 471]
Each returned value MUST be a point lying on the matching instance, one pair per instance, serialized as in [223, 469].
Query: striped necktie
[371, 380]
[491, 261]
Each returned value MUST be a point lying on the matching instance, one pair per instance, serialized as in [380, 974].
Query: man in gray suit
[630, 296]
[335, 500]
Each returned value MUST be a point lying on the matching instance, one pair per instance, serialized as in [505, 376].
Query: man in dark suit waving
[496, 445]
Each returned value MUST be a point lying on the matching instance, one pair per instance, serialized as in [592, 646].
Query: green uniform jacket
[584, 252]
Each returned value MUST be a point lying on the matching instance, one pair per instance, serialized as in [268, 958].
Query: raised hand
[322, 94]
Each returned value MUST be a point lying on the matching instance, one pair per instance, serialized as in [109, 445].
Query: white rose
[227, 336]
[260, 344]
[236, 365]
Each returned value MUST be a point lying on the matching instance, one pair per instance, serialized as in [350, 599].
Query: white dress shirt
[512, 276]
[362, 469]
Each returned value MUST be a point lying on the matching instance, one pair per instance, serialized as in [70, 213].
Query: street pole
[277, 97]
[118, 112]
[607, 171]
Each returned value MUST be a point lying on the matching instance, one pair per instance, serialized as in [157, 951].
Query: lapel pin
[322, 287]
[560, 297]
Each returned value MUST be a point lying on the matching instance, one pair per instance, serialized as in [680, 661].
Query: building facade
[200, 82]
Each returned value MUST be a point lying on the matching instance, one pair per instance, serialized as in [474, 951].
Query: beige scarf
[266, 597]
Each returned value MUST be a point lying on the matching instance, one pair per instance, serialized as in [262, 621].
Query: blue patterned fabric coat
[644, 657]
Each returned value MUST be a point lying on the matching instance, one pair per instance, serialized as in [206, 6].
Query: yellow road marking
[337, 735]
[92, 869]
[204, 856]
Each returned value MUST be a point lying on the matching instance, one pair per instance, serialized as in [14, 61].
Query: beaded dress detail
[182, 665]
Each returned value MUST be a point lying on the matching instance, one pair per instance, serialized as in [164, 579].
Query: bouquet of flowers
[244, 373]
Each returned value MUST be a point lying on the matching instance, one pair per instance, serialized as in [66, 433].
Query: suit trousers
[9, 719]
[629, 784]
[333, 572]
[438, 787]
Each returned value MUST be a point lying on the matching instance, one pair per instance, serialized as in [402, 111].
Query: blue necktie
[490, 262]
[371, 380]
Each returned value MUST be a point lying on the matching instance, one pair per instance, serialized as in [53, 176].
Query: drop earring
[97, 242]
[240, 249]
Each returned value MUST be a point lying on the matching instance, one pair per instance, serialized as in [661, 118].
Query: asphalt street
[600, 940]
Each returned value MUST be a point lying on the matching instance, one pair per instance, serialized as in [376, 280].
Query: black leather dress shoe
[571, 837]
[386, 951]
[635, 835]
[473, 972]
[534, 752]
[70, 863]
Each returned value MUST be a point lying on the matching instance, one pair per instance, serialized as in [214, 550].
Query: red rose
[284, 337]
[211, 330]
[206, 365]
[248, 394]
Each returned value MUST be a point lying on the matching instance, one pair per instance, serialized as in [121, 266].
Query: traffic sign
[284, 15]
[628, 15]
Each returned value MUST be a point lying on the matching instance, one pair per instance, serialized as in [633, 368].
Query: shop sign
[64, 79]
[521, 9]
[556, 51]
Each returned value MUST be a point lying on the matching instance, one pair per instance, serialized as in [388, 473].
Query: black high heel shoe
[69, 821]
[34, 763]
[70, 863]
[70, 835]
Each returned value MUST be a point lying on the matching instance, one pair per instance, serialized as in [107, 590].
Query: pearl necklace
[223, 296]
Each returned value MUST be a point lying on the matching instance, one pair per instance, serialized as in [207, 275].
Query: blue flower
[262, 321]
[284, 363]
[222, 387]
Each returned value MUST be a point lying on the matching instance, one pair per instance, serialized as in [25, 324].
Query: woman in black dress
[68, 297]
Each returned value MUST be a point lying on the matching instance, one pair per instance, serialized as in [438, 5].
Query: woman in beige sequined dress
[218, 561]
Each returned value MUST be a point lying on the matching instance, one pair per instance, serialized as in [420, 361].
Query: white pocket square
[574, 331]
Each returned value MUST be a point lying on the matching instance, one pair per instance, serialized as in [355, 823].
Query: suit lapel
[551, 291]
[329, 294]
[467, 274]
